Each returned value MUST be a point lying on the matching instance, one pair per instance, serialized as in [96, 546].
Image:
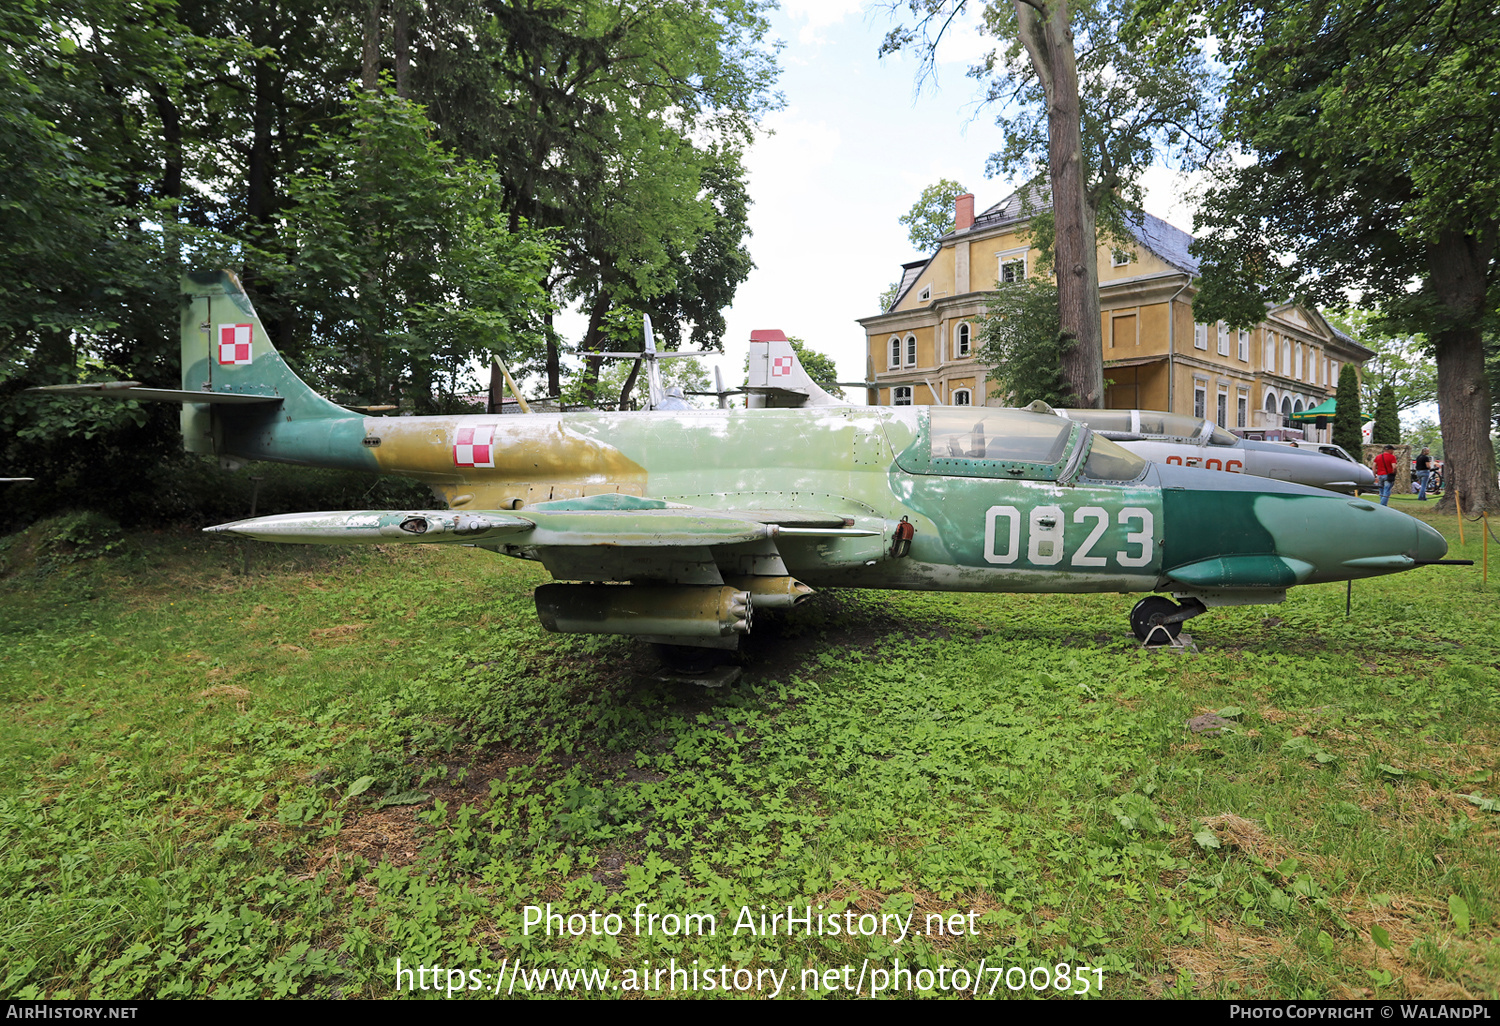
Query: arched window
[901, 395]
[961, 341]
[1286, 356]
[1270, 402]
[1270, 353]
[1297, 356]
[895, 350]
[961, 397]
[911, 350]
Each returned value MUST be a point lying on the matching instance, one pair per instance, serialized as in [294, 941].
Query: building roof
[1151, 232]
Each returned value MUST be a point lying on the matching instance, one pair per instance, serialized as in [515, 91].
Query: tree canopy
[1375, 130]
[405, 188]
[931, 217]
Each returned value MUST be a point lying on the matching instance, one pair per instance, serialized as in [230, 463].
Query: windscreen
[979, 434]
[1111, 462]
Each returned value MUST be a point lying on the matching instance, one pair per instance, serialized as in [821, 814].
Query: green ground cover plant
[275, 777]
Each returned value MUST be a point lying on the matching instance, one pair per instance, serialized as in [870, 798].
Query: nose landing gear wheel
[1151, 614]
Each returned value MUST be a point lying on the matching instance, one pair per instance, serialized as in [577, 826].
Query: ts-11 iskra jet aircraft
[676, 526]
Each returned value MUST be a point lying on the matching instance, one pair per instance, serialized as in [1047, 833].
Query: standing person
[1385, 473]
[1424, 470]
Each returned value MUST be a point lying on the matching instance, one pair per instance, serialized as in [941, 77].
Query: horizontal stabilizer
[133, 390]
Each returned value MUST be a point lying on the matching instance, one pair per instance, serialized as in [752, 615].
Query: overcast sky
[849, 154]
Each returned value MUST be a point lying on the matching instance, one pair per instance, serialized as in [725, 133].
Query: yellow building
[924, 348]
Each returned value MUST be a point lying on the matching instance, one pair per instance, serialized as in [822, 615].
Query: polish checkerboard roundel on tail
[777, 378]
[235, 343]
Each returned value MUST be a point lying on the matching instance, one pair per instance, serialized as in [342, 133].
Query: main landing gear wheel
[1151, 614]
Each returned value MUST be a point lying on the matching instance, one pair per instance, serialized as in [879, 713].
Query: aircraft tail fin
[250, 395]
[777, 378]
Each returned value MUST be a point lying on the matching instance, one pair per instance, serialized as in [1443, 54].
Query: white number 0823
[1045, 528]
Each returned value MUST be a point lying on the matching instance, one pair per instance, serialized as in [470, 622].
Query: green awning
[1323, 410]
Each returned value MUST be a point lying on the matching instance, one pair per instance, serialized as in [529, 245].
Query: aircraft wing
[608, 537]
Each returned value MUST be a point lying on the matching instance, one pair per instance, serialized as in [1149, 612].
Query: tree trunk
[1047, 33]
[629, 385]
[370, 70]
[1458, 263]
[592, 364]
[402, 41]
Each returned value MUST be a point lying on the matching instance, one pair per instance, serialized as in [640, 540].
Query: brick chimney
[963, 212]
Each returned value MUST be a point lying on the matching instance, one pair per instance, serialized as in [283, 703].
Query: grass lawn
[276, 771]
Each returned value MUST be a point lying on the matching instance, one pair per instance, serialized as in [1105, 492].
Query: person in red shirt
[1385, 472]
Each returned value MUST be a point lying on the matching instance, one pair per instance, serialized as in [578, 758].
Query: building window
[901, 396]
[911, 350]
[1286, 357]
[1333, 371]
[1012, 271]
[895, 350]
[1242, 409]
[1200, 336]
[961, 397]
[1270, 353]
[1118, 258]
[925, 294]
[1223, 339]
[1297, 361]
[1223, 418]
[961, 347]
[1200, 399]
[1245, 347]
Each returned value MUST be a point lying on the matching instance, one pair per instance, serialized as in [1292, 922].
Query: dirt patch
[394, 835]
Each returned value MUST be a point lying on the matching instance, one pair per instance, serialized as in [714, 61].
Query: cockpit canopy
[1134, 425]
[969, 441]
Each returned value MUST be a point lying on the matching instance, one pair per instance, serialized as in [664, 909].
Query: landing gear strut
[1157, 620]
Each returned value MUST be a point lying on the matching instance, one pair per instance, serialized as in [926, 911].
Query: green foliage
[819, 367]
[931, 217]
[1425, 434]
[1404, 361]
[138, 141]
[1369, 128]
[1387, 428]
[397, 263]
[1023, 344]
[1348, 424]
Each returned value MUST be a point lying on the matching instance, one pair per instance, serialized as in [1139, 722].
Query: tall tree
[1376, 133]
[1090, 106]
[1348, 424]
[1387, 427]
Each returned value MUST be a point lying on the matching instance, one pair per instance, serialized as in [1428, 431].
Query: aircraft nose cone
[1430, 544]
